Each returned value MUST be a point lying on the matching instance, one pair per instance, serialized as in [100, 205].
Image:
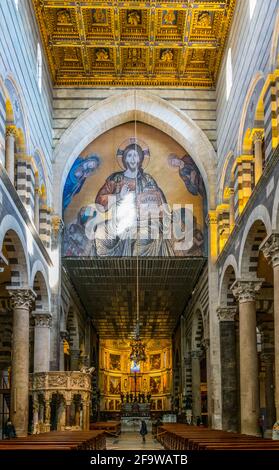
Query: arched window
[252, 6]
[39, 67]
[229, 73]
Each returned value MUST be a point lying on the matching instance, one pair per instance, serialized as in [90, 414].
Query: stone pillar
[196, 384]
[226, 317]
[75, 353]
[258, 139]
[42, 341]
[37, 205]
[245, 291]
[268, 360]
[232, 215]
[63, 335]
[270, 248]
[35, 427]
[10, 152]
[22, 300]
[68, 413]
[55, 274]
[47, 414]
[214, 385]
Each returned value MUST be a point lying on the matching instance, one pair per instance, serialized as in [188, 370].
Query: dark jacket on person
[9, 430]
[143, 428]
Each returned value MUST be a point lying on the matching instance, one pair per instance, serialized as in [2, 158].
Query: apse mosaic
[134, 196]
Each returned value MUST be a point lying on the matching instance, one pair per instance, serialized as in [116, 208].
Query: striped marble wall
[250, 42]
[18, 60]
[198, 104]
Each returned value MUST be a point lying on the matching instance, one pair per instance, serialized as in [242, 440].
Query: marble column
[196, 384]
[37, 208]
[245, 292]
[270, 248]
[22, 300]
[47, 414]
[226, 316]
[63, 335]
[10, 152]
[68, 413]
[232, 214]
[258, 140]
[42, 341]
[268, 360]
[75, 354]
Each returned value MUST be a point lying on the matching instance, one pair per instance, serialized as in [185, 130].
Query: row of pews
[184, 437]
[111, 428]
[66, 440]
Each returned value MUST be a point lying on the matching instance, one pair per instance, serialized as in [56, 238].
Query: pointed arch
[119, 109]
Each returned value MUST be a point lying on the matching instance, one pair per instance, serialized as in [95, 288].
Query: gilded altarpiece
[119, 381]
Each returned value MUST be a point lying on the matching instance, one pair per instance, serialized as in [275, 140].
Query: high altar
[129, 391]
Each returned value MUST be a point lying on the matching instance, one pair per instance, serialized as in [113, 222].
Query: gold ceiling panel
[134, 43]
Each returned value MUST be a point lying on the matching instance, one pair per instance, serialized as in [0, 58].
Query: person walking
[143, 430]
[9, 430]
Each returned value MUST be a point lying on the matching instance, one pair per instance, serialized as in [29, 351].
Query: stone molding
[246, 290]
[226, 313]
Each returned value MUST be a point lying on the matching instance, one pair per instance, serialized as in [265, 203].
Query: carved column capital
[226, 313]
[270, 249]
[42, 319]
[212, 218]
[21, 298]
[257, 135]
[57, 225]
[64, 335]
[246, 290]
[11, 131]
[205, 342]
[267, 358]
[228, 192]
[196, 354]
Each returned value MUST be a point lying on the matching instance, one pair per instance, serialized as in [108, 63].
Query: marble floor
[132, 441]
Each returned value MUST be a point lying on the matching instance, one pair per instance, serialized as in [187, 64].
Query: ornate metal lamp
[137, 346]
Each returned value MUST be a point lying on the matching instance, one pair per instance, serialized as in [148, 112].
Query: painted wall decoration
[155, 361]
[155, 384]
[115, 362]
[128, 196]
[114, 385]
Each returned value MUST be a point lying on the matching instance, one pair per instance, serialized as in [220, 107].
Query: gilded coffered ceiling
[134, 43]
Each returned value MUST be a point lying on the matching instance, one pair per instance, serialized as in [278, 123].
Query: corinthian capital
[57, 225]
[226, 313]
[257, 135]
[270, 249]
[21, 298]
[246, 290]
[42, 319]
[212, 218]
[11, 131]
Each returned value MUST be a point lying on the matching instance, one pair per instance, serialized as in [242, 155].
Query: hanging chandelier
[137, 346]
[137, 351]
